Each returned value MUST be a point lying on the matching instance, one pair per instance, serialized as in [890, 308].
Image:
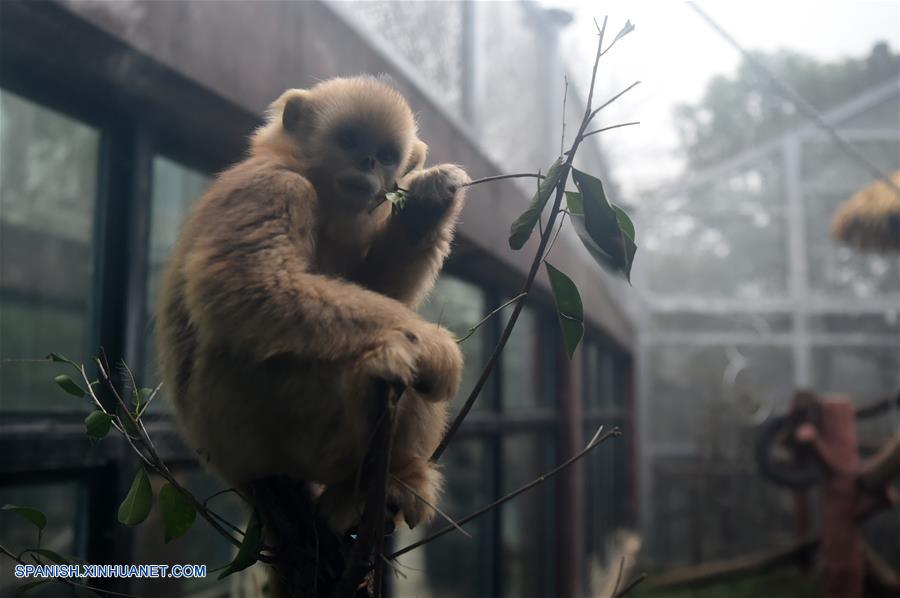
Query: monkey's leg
[414, 483]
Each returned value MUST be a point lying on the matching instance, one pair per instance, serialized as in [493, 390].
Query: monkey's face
[362, 162]
[357, 136]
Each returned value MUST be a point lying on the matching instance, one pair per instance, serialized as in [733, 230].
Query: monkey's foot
[411, 494]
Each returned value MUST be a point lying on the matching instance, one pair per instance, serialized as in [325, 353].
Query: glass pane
[201, 545]
[606, 495]
[599, 377]
[175, 189]
[527, 522]
[454, 565]
[520, 363]
[64, 504]
[48, 188]
[459, 305]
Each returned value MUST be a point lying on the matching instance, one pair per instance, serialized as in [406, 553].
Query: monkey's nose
[367, 164]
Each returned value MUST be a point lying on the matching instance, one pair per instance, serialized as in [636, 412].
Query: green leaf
[609, 231]
[33, 515]
[521, 229]
[140, 398]
[97, 424]
[568, 307]
[57, 358]
[24, 589]
[178, 513]
[136, 506]
[248, 552]
[397, 198]
[67, 384]
[574, 203]
[49, 554]
[625, 223]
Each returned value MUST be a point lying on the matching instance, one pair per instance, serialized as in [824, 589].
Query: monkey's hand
[432, 194]
[420, 355]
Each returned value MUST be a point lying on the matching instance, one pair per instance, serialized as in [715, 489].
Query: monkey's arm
[248, 285]
[405, 261]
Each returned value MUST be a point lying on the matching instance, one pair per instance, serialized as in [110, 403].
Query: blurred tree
[741, 111]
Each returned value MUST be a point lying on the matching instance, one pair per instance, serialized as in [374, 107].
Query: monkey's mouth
[357, 186]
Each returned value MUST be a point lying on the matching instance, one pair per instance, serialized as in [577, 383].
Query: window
[606, 483]
[175, 189]
[48, 189]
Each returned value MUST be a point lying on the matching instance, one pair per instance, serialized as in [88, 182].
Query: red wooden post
[842, 542]
[802, 526]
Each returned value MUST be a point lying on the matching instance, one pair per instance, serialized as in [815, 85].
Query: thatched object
[870, 220]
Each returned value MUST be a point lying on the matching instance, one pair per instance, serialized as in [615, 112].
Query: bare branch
[624, 591]
[611, 100]
[562, 221]
[494, 312]
[510, 496]
[562, 135]
[620, 125]
[500, 177]
[621, 561]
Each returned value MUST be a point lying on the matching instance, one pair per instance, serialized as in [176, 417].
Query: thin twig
[611, 100]
[556, 236]
[500, 177]
[631, 585]
[611, 127]
[562, 136]
[508, 497]
[601, 32]
[594, 437]
[537, 191]
[618, 576]
[494, 312]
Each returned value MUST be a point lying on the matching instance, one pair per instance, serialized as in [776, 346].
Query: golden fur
[288, 296]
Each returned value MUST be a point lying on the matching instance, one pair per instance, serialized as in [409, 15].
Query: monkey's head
[353, 138]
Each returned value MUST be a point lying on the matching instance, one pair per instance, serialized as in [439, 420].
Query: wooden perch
[719, 571]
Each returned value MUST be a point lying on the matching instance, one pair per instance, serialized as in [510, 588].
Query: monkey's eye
[348, 139]
[388, 156]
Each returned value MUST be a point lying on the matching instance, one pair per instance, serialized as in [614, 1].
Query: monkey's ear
[296, 109]
[416, 159]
